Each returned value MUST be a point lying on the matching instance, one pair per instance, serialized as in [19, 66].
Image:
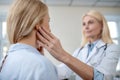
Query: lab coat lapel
[92, 53]
[83, 56]
[95, 50]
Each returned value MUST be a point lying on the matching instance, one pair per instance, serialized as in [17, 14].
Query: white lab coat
[102, 58]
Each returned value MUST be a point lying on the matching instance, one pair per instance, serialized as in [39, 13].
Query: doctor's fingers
[53, 42]
[47, 43]
[42, 39]
[45, 34]
[48, 34]
[49, 48]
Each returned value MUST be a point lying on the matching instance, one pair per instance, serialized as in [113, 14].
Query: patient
[23, 60]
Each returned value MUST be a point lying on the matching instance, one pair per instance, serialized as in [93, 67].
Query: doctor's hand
[52, 44]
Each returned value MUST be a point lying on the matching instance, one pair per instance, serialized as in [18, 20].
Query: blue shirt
[91, 46]
[97, 75]
[24, 62]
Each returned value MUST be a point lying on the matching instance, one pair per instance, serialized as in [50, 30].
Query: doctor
[97, 57]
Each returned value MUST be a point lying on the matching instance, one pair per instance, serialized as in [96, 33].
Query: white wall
[66, 24]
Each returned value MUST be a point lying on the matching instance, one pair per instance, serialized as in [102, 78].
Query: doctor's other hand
[52, 44]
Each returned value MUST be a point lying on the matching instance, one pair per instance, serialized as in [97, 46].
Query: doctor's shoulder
[113, 47]
[110, 60]
[113, 50]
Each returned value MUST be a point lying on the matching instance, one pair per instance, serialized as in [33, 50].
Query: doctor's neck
[92, 39]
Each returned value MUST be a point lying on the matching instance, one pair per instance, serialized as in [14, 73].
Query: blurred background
[65, 21]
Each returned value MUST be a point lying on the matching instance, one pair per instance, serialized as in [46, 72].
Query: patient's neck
[30, 40]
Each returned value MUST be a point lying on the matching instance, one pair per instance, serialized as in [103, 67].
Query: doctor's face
[92, 28]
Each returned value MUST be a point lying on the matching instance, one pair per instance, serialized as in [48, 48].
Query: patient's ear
[37, 26]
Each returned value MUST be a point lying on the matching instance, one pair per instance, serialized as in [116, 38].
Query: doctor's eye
[83, 24]
[90, 22]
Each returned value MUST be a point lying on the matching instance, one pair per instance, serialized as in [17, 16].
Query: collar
[18, 46]
[98, 43]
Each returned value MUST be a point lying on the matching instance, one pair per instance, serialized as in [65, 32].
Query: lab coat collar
[96, 48]
[99, 44]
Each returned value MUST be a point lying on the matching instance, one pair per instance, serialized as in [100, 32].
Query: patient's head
[24, 17]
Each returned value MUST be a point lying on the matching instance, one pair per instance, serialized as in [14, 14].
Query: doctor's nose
[86, 26]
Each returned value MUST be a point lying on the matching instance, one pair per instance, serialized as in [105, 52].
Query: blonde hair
[105, 35]
[22, 18]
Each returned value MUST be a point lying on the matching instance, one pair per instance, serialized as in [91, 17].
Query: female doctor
[97, 57]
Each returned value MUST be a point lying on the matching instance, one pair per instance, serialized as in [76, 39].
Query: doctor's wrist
[66, 58]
